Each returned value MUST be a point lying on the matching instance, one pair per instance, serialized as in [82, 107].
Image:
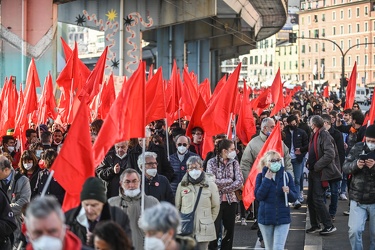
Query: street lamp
[343, 54]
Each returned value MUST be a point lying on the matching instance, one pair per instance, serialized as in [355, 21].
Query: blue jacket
[179, 168]
[269, 193]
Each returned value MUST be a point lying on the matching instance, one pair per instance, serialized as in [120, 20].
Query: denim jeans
[334, 186]
[357, 221]
[344, 183]
[298, 171]
[274, 236]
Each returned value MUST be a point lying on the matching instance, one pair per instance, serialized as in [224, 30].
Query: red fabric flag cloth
[216, 118]
[205, 90]
[32, 76]
[350, 90]
[107, 98]
[326, 92]
[262, 101]
[95, 79]
[371, 114]
[175, 81]
[126, 118]
[273, 142]
[277, 94]
[208, 145]
[8, 109]
[150, 72]
[47, 103]
[67, 50]
[189, 94]
[239, 99]
[71, 172]
[245, 127]
[195, 121]
[155, 103]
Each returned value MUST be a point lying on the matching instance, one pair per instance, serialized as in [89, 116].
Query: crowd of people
[317, 133]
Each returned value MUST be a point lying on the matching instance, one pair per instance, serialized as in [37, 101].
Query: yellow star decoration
[112, 14]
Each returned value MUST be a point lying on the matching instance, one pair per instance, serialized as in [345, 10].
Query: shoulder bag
[187, 220]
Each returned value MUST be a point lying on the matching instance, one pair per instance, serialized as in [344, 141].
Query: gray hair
[317, 121]
[161, 217]
[265, 122]
[129, 171]
[4, 163]
[146, 155]
[194, 160]
[187, 137]
[41, 207]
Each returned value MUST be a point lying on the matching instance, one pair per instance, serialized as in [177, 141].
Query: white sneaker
[343, 197]
[243, 222]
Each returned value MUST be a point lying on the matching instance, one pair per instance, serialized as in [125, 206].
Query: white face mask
[38, 153]
[195, 173]
[153, 243]
[152, 172]
[370, 145]
[27, 166]
[232, 155]
[132, 193]
[121, 157]
[11, 149]
[182, 149]
[46, 242]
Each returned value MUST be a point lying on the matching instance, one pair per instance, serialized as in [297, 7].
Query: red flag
[189, 94]
[92, 85]
[326, 92]
[47, 103]
[71, 172]
[175, 82]
[277, 94]
[126, 118]
[67, 50]
[8, 109]
[245, 127]
[107, 97]
[195, 121]
[273, 142]
[262, 101]
[350, 90]
[371, 114]
[205, 90]
[155, 103]
[150, 72]
[32, 75]
[215, 119]
[239, 99]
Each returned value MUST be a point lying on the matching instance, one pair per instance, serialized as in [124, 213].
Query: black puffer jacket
[108, 213]
[362, 186]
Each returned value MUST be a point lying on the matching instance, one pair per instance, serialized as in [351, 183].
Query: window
[349, 61]
[349, 43]
[316, 47]
[366, 26]
[349, 13]
[309, 49]
[341, 14]
[284, 65]
[251, 60]
[366, 10]
[373, 40]
[323, 47]
[316, 33]
[341, 29]
[333, 15]
[342, 44]
[303, 34]
[357, 27]
[303, 20]
[316, 18]
[303, 49]
[323, 32]
[357, 59]
[357, 12]
[290, 64]
[256, 60]
[366, 60]
[349, 28]
[303, 64]
[323, 17]
[333, 61]
[333, 30]
[357, 42]
[366, 41]
[308, 20]
[333, 47]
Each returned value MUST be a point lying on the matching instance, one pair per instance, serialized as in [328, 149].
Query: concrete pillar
[178, 45]
[163, 58]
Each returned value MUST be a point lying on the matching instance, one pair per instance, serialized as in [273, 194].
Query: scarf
[198, 180]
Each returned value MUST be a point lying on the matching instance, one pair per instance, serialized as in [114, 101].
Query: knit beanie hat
[94, 188]
[370, 131]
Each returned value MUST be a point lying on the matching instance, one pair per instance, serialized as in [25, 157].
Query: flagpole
[229, 124]
[167, 137]
[235, 133]
[143, 174]
[284, 179]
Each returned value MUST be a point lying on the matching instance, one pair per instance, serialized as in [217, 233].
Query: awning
[319, 82]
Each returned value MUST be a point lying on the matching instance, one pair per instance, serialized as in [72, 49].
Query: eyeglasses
[151, 163]
[182, 144]
[133, 182]
[275, 160]
[355, 106]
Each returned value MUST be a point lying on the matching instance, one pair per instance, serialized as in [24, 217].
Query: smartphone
[363, 157]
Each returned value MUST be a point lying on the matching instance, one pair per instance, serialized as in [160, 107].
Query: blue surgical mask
[275, 166]
[268, 133]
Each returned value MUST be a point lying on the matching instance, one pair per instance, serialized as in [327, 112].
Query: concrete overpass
[199, 33]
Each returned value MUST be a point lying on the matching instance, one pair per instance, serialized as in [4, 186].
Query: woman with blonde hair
[274, 213]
